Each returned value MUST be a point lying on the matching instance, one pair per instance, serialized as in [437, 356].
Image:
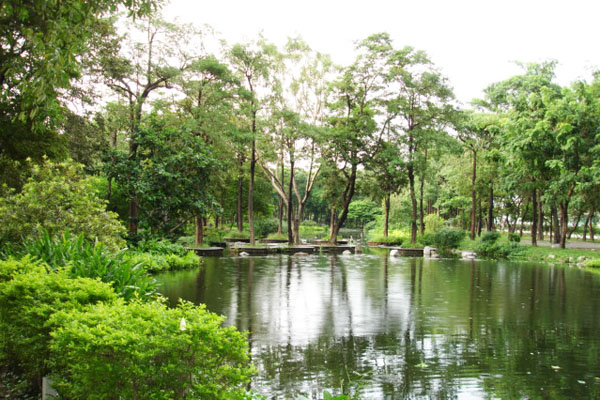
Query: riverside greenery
[93, 342]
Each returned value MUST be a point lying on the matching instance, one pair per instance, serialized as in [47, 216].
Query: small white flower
[182, 325]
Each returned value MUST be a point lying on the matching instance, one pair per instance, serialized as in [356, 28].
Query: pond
[395, 328]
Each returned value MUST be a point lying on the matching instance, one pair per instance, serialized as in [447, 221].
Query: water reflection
[407, 328]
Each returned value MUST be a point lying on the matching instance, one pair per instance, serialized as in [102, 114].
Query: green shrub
[493, 250]
[237, 235]
[28, 301]
[157, 262]
[490, 237]
[92, 260]
[264, 226]
[309, 222]
[514, 237]
[11, 267]
[148, 351]
[447, 239]
[277, 236]
[390, 239]
[593, 263]
[59, 198]
[159, 246]
[433, 223]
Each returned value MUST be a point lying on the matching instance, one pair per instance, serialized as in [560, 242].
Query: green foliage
[277, 236]
[493, 250]
[28, 301]
[593, 263]
[12, 266]
[237, 235]
[58, 197]
[433, 223]
[446, 239]
[362, 211]
[159, 246]
[390, 239]
[490, 237]
[265, 226]
[148, 351]
[80, 258]
[514, 237]
[158, 262]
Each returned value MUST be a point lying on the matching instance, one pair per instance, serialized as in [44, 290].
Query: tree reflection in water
[399, 328]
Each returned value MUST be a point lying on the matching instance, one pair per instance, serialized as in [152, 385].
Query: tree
[58, 198]
[142, 68]
[253, 62]
[351, 140]
[418, 106]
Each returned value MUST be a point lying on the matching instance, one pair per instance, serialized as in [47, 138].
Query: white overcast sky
[473, 43]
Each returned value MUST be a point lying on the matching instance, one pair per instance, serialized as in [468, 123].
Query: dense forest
[259, 139]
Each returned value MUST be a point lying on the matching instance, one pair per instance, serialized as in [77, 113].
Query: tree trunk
[523, 214]
[571, 231]
[348, 195]
[540, 233]
[199, 230]
[555, 226]
[473, 196]
[240, 192]
[280, 216]
[251, 191]
[332, 216]
[585, 227]
[564, 223]
[386, 218]
[413, 201]
[421, 222]
[490, 221]
[480, 219]
[592, 225]
[290, 205]
[534, 216]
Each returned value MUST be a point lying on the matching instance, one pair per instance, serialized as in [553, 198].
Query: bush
[264, 226]
[278, 236]
[593, 263]
[148, 351]
[11, 267]
[433, 223]
[390, 239]
[83, 259]
[514, 237]
[490, 237]
[447, 239]
[159, 246]
[59, 198]
[493, 250]
[238, 235]
[28, 301]
[157, 262]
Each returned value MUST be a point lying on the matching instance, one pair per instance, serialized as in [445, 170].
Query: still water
[395, 328]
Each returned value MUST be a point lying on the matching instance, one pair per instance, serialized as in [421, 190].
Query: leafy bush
[447, 239]
[514, 237]
[237, 235]
[493, 250]
[28, 301]
[593, 263]
[159, 246]
[59, 198]
[433, 223]
[490, 237]
[148, 351]
[83, 259]
[157, 262]
[390, 239]
[264, 226]
[11, 267]
[277, 236]
[309, 222]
